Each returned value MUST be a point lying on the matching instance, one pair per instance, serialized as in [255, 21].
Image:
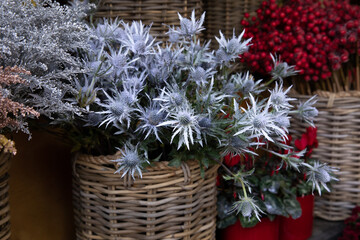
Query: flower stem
[232, 174]
[269, 82]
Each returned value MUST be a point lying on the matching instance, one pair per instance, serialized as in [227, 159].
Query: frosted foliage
[41, 36]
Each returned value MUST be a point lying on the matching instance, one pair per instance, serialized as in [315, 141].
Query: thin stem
[232, 174]
[244, 189]
[337, 81]
[345, 80]
[269, 82]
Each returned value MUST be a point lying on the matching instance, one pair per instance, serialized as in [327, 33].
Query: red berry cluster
[352, 226]
[315, 36]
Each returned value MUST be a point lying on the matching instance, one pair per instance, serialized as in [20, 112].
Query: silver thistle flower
[184, 123]
[281, 70]
[210, 100]
[117, 110]
[134, 82]
[319, 174]
[200, 75]
[208, 128]
[188, 27]
[131, 161]
[282, 120]
[231, 49]
[306, 111]
[150, 118]
[247, 207]
[258, 121]
[119, 61]
[107, 32]
[138, 39]
[238, 145]
[172, 97]
[278, 98]
[245, 83]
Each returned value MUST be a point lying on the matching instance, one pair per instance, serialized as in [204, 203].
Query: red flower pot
[301, 228]
[265, 229]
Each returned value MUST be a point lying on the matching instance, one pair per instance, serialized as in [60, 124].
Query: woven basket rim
[328, 94]
[107, 159]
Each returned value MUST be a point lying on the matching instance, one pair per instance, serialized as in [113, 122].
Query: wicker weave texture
[167, 203]
[4, 196]
[338, 131]
[158, 12]
[225, 15]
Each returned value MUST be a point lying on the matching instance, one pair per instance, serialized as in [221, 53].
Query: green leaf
[274, 205]
[176, 162]
[202, 171]
[157, 158]
[205, 162]
[225, 222]
[292, 207]
[248, 222]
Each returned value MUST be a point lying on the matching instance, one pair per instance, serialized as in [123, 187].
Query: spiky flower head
[138, 39]
[117, 110]
[131, 161]
[279, 99]
[119, 61]
[210, 100]
[281, 69]
[230, 49]
[246, 84]
[188, 27]
[150, 118]
[306, 110]
[106, 32]
[172, 97]
[282, 120]
[247, 207]
[184, 123]
[134, 82]
[239, 145]
[319, 174]
[200, 76]
[258, 122]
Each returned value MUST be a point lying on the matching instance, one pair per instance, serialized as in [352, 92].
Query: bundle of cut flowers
[13, 114]
[176, 101]
[41, 37]
[352, 226]
[321, 38]
[275, 183]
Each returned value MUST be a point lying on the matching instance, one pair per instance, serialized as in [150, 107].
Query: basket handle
[187, 174]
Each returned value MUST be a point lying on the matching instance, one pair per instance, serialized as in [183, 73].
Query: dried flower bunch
[12, 114]
[42, 37]
[321, 38]
[352, 226]
[179, 100]
[7, 146]
[275, 183]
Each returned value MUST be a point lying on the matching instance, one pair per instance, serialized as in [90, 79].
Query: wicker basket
[159, 13]
[225, 15]
[4, 196]
[338, 127]
[167, 203]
